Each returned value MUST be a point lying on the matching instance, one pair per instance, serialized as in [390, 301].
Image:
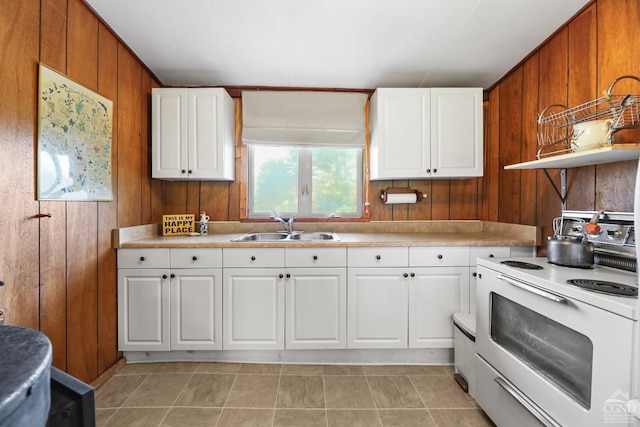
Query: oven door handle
[527, 403]
[532, 289]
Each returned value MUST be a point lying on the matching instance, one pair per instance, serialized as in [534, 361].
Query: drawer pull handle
[184, 171]
[378, 257]
[439, 256]
[195, 258]
[253, 258]
[527, 403]
[475, 274]
[164, 276]
[173, 276]
[141, 258]
[315, 257]
[413, 275]
[406, 275]
[281, 275]
[532, 289]
[288, 275]
[490, 255]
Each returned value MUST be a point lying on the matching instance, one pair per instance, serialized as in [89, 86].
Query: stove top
[554, 278]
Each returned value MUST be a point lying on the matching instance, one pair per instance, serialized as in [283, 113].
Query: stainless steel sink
[286, 237]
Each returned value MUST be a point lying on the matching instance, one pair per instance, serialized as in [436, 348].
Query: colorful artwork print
[74, 140]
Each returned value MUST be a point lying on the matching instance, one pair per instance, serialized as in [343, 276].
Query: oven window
[561, 355]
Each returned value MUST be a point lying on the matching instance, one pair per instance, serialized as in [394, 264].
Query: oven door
[569, 360]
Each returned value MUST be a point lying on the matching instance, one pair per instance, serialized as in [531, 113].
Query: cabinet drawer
[439, 256]
[315, 257]
[143, 258]
[488, 252]
[250, 257]
[378, 257]
[196, 258]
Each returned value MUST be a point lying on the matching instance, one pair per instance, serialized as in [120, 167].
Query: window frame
[305, 179]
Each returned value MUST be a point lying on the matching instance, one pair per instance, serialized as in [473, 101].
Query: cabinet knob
[378, 257]
[141, 258]
[164, 276]
[281, 275]
[1, 283]
[479, 276]
[406, 275]
[195, 258]
[183, 171]
[315, 257]
[490, 255]
[413, 275]
[173, 276]
[475, 274]
[288, 275]
[190, 171]
[428, 170]
[253, 258]
[435, 170]
[439, 256]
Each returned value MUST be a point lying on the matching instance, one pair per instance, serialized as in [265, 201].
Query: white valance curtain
[329, 119]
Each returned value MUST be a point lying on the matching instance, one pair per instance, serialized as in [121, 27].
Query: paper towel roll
[401, 198]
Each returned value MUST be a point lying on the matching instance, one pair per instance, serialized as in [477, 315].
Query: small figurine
[204, 223]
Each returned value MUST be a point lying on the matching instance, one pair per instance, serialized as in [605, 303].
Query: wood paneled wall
[60, 271]
[573, 66]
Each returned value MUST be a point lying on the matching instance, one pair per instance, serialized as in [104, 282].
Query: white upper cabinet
[193, 134]
[426, 133]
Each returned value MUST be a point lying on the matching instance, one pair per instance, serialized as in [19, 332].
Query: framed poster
[74, 140]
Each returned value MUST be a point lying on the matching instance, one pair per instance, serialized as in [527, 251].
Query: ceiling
[333, 43]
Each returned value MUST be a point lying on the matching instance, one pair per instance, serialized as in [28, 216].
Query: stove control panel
[615, 229]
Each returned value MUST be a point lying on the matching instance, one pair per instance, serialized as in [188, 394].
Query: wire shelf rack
[556, 122]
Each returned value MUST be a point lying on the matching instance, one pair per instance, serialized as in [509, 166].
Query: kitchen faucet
[288, 223]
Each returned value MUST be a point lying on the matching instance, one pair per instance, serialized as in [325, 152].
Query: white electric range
[552, 352]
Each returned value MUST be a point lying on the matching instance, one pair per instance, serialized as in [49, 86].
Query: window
[310, 182]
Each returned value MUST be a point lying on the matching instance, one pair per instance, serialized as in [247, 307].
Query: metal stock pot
[570, 251]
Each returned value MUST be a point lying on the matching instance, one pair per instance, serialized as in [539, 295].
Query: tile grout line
[224, 404]
[179, 394]
[275, 404]
[375, 404]
[324, 398]
[422, 400]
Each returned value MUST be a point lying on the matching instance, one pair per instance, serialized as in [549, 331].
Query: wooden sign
[176, 225]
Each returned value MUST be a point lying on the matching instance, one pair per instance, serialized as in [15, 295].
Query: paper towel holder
[384, 194]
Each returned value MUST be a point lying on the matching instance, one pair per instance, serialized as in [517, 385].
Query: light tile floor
[255, 395]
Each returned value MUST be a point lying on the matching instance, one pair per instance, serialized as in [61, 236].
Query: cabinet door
[377, 308]
[456, 132]
[169, 134]
[400, 133]
[210, 142]
[316, 303]
[143, 309]
[435, 293]
[253, 316]
[196, 309]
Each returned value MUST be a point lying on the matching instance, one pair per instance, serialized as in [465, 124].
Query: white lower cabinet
[196, 309]
[178, 307]
[143, 309]
[316, 308]
[253, 315]
[435, 293]
[377, 308]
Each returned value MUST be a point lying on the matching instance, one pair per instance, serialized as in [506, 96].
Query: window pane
[275, 179]
[335, 180]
